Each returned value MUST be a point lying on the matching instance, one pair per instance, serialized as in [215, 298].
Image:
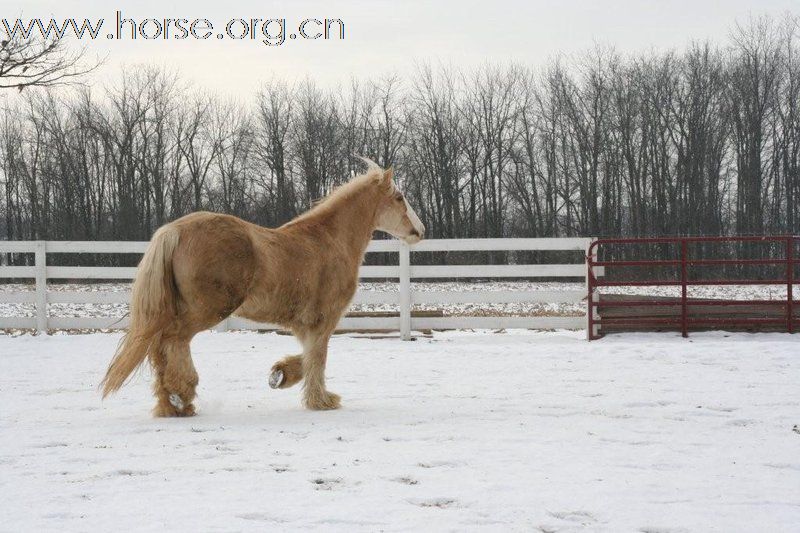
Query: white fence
[404, 272]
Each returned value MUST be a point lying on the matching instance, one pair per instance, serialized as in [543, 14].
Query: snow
[523, 431]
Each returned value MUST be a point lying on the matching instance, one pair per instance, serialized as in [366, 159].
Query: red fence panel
[684, 263]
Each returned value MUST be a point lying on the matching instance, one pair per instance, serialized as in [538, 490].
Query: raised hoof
[276, 379]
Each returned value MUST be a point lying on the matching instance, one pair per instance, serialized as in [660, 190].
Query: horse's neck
[351, 223]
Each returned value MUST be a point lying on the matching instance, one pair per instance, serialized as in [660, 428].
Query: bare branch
[38, 62]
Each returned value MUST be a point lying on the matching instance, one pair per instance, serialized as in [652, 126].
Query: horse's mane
[343, 193]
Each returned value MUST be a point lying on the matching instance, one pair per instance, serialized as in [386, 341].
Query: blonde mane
[345, 192]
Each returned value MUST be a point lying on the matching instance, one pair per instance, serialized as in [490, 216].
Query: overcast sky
[383, 36]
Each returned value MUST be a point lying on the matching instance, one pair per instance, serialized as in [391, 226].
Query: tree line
[701, 141]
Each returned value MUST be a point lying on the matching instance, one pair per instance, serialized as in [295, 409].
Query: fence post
[40, 262]
[790, 284]
[591, 310]
[684, 282]
[404, 263]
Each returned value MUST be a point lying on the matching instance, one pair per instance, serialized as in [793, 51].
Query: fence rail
[404, 272]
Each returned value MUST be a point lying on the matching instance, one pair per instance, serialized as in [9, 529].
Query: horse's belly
[258, 309]
[289, 313]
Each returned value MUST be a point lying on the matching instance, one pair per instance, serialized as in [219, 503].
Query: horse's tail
[153, 307]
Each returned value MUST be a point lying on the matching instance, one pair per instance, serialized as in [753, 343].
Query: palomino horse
[204, 267]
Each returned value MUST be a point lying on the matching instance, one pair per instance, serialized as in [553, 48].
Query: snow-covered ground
[521, 431]
[744, 292]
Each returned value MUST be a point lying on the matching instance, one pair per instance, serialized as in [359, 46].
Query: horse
[204, 267]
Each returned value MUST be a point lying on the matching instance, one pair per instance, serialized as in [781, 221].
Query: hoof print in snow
[438, 503]
[258, 517]
[326, 483]
[581, 517]
[436, 464]
[742, 422]
[796, 429]
[129, 473]
[405, 480]
[52, 445]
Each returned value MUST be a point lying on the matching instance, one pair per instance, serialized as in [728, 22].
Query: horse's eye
[398, 197]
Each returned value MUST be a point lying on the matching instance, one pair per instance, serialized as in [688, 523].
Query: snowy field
[521, 431]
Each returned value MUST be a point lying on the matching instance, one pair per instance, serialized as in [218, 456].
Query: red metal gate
[684, 264]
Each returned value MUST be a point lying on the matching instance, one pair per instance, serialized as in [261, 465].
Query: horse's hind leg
[286, 372]
[176, 378]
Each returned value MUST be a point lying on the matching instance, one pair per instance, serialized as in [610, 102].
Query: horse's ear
[388, 174]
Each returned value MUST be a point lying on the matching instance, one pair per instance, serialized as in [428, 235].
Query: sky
[384, 37]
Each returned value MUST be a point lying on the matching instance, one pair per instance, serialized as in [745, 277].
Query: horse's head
[395, 216]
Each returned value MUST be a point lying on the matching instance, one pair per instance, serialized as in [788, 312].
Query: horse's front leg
[315, 355]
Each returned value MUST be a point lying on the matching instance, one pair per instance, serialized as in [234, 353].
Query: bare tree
[752, 83]
[272, 126]
[38, 62]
